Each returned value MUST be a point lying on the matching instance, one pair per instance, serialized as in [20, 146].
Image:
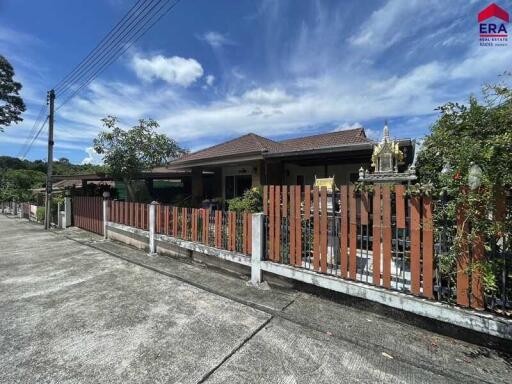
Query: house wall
[341, 172]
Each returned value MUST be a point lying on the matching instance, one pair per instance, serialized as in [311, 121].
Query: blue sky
[213, 70]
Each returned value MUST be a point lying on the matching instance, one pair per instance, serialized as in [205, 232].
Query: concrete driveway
[73, 313]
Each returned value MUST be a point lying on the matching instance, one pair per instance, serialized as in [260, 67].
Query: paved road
[74, 309]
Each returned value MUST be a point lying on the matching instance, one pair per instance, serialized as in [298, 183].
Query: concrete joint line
[235, 350]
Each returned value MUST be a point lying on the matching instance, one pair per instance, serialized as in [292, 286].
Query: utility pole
[47, 213]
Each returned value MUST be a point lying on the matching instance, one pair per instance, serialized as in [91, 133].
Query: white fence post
[257, 248]
[152, 223]
[106, 196]
[67, 212]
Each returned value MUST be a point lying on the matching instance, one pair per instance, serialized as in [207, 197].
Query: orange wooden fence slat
[166, 225]
[428, 247]
[323, 230]
[175, 221]
[184, 223]
[376, 235]
[462, 261]
[245, 233]
[205, 226]
[277, 225]
[271, 223]
[265, 199]
[298, 227]
[415, 245]
[292, 223]
[400, 206]
[386, 236]
[343, 231]
[352, 265]
[316, 230]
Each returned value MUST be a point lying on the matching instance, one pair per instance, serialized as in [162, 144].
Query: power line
[33, 129]
[43, 124]
[119, 39]
[98, 47]
[120, 50]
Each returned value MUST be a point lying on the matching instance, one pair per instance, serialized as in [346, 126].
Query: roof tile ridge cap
[320, 134]
[263, 145]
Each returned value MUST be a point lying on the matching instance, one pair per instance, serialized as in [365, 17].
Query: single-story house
[227, 169]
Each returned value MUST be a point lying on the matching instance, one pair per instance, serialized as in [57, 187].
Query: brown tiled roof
[247, 144]
[327, 140]
[254, 144]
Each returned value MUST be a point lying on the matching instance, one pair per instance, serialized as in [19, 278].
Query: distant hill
[17, 176]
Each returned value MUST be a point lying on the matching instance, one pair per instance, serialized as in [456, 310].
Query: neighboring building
[252, 160]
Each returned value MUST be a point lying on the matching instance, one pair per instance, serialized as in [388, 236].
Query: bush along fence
[384, 237]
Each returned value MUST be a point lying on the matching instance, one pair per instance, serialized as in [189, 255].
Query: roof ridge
[214, 146]
[360, 129]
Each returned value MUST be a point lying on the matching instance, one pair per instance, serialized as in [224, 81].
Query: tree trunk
[130, 190]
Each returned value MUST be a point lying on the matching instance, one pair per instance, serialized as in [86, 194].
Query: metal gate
[88, 213]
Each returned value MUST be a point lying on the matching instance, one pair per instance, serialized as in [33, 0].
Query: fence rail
[383, 237]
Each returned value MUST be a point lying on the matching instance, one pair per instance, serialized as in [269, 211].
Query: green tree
[478, 135]
[127, 153]
[11, 111]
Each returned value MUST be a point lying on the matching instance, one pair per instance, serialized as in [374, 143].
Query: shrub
[40, 214]
[251, 201]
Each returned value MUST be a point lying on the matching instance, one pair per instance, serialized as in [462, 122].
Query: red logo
[493, 32]
[493, 10]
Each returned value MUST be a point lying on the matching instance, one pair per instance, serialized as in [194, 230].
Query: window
[237, 185]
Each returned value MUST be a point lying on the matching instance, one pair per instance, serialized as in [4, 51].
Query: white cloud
[216, 39]
[92, 157]
[271, 96]
[209, 79]
[346, 126]
[173, 70]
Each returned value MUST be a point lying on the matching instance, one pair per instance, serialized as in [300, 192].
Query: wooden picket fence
[129, 213]
[227, 230]
[383, 237]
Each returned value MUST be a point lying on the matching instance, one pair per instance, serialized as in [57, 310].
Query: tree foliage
[127, 153]
[251, 201]
[18, 177]
[13, 105]
[465, 136]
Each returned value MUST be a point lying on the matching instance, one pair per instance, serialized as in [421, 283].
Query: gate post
[106, 196]
[257, 248]
[67, 211]
[152, 223]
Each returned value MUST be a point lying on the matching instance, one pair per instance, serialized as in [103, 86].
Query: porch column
[197, 186]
